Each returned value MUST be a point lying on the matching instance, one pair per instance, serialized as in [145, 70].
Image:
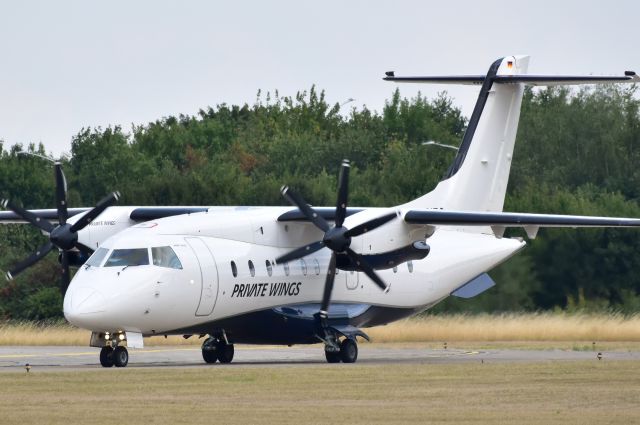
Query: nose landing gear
[111, 352]
[110, 357]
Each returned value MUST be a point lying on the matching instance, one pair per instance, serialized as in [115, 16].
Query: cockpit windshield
[96, 259]
[128, 257]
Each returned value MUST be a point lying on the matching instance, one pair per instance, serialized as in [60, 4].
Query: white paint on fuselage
[152, 299]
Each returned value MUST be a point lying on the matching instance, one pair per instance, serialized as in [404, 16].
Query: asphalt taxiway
[79, 358]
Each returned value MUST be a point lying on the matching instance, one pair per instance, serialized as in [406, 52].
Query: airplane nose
[82, 305]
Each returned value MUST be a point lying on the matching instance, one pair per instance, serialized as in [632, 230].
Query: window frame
[169, 266]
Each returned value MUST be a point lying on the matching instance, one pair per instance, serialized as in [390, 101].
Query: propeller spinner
[63, 236]
[337, 237]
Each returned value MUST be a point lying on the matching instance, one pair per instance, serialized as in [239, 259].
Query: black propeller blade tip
[4, 203]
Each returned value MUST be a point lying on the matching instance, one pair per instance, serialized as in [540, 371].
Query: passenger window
[128, 257]
[96, 258]
[317, 266]
[303, 267]
[286, 268]
[234, 269]
[410, 266]
[164, 256]
[252, 269]
[269, 268]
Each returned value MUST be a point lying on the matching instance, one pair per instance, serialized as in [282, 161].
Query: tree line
[576, 153]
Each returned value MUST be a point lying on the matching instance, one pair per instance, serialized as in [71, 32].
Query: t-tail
[478, 177]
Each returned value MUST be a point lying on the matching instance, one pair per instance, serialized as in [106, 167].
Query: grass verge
[549, 392]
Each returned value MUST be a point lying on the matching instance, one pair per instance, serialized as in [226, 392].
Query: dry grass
[535, 327]
[512, 327]
[61, 333]
[550, 392]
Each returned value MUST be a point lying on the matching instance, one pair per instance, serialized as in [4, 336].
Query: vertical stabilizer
[477, 179]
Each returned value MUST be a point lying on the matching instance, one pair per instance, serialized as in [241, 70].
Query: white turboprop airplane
[277, 275]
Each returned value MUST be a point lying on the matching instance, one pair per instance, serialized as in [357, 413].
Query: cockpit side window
[96, 258]
[128, 257]
[165, 256]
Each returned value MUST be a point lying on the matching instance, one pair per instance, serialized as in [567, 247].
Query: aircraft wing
[328, 213]
[501, 220]
[9, 217]
[138, 214]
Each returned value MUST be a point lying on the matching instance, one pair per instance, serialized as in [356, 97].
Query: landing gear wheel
[349, 351]
[209, 356]
[120, 357]
[225, 352]
[106, 357]
[332, 356]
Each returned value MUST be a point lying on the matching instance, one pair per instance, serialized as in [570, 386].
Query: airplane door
[208, 276]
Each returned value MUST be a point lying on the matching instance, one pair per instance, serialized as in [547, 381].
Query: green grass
[598, 392]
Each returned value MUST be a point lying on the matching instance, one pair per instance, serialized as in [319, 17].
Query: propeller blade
[328, 287]
[300, 252]
[343, 193]
[61, 194]
[104, 203]
[309, 212]
[30, 260]
[366, 268]
[66, 274]
[370, 225]
[83, 248]
[28, 216]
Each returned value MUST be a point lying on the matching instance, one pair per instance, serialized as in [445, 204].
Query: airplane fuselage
[227, 270]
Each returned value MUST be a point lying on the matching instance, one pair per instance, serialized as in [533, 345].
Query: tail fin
[477, 179]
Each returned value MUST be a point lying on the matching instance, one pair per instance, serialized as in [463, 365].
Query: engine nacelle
[386, 260]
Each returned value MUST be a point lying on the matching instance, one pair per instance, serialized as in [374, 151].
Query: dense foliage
[576, 153]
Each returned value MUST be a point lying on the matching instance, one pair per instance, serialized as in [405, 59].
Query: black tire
[210, 356]
[225, 352]
[349, 351]
[106, 357]
[120, 357]
[332, 356]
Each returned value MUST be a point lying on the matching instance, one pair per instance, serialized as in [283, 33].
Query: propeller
[337, 237]
[63, 236]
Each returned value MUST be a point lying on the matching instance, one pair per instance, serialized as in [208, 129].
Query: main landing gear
[217, 348]
[345, 352]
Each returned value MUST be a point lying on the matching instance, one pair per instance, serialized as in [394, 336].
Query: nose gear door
[208, 276]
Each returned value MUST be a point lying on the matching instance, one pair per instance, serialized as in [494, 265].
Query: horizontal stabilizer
[530, 80]
[474, 287]
[506, 219]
